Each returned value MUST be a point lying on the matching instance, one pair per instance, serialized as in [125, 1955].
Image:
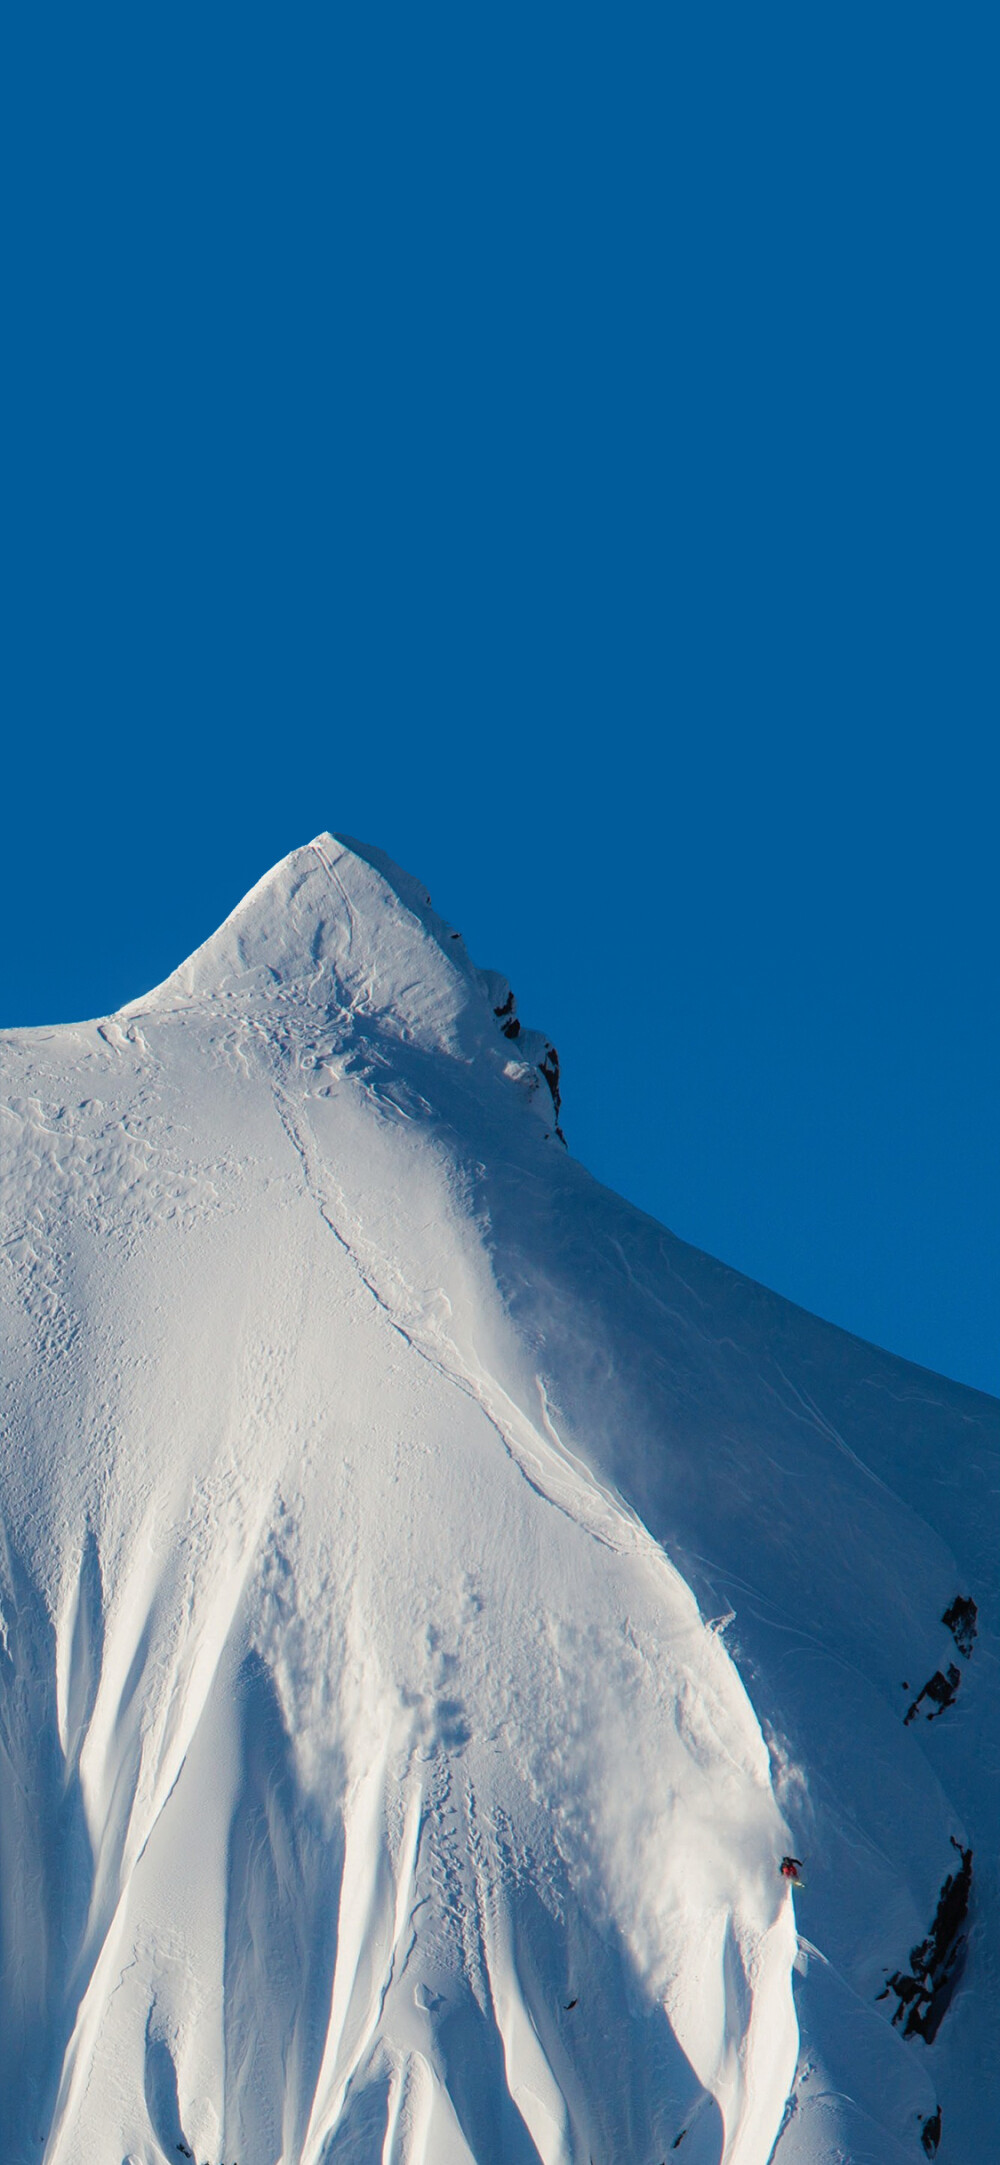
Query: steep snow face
[433, 1602]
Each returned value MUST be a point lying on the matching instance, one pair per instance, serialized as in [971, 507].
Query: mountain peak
[345, 927]
[325, 909]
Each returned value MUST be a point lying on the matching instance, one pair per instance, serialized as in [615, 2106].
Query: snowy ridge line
[616, 1527]
[334, 875]
[562, 1482]
[542, 1458]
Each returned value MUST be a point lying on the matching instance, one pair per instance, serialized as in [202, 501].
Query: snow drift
[433, 1599]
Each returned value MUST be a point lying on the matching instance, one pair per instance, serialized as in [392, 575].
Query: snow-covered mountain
[435, 1599]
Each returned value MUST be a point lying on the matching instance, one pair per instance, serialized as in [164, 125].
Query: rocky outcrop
[940, 1689]
[960, 1618]
[924, 1992]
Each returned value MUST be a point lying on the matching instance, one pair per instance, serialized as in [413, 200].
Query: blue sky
[559, 445]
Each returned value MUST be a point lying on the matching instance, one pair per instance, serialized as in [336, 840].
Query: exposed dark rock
[930, 2133]
[507, 1019]
[938, 1687]
[909, 1992]
[961, 1621]
[549, 1067]
[924, 1992]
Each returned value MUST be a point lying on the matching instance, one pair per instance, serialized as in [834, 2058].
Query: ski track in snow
[372, 1787]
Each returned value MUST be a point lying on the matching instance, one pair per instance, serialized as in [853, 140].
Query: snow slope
[434, 1598]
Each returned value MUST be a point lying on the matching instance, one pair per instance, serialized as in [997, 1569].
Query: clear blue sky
[560, 445]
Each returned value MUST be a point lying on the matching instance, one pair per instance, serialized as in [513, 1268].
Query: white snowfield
[434, 1599]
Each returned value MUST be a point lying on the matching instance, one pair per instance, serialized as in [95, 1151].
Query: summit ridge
[351, 932]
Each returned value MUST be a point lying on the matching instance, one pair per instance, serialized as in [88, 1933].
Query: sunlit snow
[434, 1599]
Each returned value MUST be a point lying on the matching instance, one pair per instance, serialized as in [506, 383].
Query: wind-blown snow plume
[434, 1599]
